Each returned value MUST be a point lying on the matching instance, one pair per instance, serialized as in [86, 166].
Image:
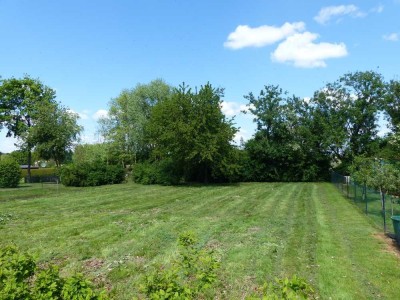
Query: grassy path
[259, 230]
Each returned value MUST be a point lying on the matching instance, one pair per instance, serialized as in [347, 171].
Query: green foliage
[91, 174]
[22, 156]
[294, 288]
[10, 173]
[286, 145]
[379, 175]
[91, 153]
[21, 100]
[392, 104]
[376, 173]
[189, 129]
[48, 284]
[20, 279]
[40, 172]
[78, 288]
[346, 112]
[190, 277]
[124, 130]
[157, 172]
[56, 133]
[15, 269]
[361, 169]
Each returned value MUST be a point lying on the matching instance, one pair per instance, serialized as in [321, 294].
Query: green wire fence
[369, 201]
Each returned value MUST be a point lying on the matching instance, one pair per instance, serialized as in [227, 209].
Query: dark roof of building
[26, 167]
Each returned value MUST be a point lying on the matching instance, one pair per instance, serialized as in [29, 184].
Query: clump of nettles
[191, 276]
[294, 288]
[20, 278]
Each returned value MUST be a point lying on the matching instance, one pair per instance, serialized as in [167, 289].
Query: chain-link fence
[369, 201]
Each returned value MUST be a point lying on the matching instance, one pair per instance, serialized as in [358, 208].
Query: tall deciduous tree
[347, 111]
[20, 104]
[128, 115]
[392, 104]
[190, 129]
[286, 146]
[55, 133]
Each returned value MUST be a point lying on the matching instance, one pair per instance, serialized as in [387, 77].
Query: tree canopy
[189, 129]
[30, 112]
[128, 116]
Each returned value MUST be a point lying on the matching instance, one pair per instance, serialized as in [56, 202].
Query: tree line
[171, 135]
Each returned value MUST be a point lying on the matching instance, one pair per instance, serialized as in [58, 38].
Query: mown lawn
[259, 230]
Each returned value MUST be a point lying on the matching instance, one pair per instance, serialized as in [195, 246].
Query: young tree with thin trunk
[20, 104]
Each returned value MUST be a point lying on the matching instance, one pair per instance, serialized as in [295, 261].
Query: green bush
[21, 279]
[158, 172]
[10, 173]
[191, 276]
[91, 174]
[294, 288]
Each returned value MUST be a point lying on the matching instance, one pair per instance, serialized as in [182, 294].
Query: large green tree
[286, 146]
[190, 130]
[124, 128]
[347, 112]
[392, 104]
[20, 104]
[56, 132]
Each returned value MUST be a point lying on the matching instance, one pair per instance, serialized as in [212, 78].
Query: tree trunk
[383, 209]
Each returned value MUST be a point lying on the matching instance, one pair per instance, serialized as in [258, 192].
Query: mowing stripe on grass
[258, 230]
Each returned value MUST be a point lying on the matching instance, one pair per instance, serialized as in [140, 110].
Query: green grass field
[114, 234]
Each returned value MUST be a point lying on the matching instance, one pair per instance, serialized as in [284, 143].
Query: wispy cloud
[393, 37]
[301, 51]
[378, 9]
[330, 12]
[245, 36]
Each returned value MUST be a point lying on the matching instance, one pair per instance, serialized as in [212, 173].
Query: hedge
[91, 174]
[40, 172]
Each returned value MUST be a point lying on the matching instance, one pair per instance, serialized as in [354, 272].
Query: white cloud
[327, 13]
[83, 115]
[378, 9]
[229, 109]
[242, 134]
[301, 50]
[393, 37]
[101, 113]
[245, 36]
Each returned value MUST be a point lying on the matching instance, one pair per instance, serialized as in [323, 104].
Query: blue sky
[89, 51]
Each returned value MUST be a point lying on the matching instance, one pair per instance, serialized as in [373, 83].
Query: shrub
[191, 276]
[10, 173]
[91, 174]
[157, 172]
[20, 279]
[288, 288]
